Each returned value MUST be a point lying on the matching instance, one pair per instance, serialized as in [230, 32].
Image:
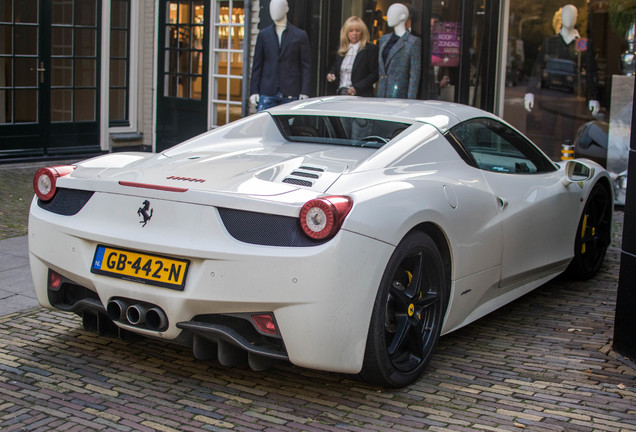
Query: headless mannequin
[278, 12]
[569, 15]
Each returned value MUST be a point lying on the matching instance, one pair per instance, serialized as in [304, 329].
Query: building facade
[90, 76]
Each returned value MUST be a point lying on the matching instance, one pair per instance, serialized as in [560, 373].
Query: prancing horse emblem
[143, 212]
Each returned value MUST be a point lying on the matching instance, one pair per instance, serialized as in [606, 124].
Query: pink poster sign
[445, 43]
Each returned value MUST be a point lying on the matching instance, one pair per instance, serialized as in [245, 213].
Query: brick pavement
[543, 362]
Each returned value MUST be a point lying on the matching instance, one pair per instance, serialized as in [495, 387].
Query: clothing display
[283, 68]
[400, 65]
[555, 47]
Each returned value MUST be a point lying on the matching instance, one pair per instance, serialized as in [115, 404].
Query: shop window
[183, 49]
[445, 46]
[562, 75]
[227, 57]
[74, 60]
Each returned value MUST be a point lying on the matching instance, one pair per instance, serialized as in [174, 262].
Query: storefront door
[49, 77]
[182, 87]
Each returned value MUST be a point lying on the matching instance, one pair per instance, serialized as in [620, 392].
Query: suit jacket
[400, 76]
[364, 71]
[556, 47]
[286, 68]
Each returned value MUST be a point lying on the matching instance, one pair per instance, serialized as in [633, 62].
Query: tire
[407, 314]
[593, 235]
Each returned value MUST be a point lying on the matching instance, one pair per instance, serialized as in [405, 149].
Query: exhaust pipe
[116, 310]
[136, 314]
[156, 319]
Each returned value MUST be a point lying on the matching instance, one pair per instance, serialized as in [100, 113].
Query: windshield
[349, 131]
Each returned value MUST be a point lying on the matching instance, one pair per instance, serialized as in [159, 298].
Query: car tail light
[265, 323]
[55, 280]
[45, 179]
[322, 217]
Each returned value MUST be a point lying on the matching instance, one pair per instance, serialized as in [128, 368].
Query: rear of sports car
[257, 271]
[266, 239]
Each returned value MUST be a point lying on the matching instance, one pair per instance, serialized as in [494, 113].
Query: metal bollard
[567, 151]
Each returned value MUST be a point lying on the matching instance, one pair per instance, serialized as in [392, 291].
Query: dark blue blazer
[286, 68]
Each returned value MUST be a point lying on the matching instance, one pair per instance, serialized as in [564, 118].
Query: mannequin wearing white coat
[569, 16]
[278, 12]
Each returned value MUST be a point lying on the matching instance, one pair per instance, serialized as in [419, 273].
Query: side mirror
[577, 171]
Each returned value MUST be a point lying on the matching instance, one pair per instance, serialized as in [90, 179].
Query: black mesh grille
[310, 168]
[265, 229]
[297, 182]
[66, 202]
[305, 174]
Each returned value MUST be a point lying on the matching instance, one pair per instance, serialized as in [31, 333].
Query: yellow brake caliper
[411, 310]
[583, 229]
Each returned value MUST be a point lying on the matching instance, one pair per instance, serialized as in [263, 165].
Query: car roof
[442, 115]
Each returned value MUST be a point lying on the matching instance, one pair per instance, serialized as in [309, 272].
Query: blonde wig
[353, 21]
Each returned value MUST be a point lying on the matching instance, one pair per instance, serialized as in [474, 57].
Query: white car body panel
[506, 234]
[529, 224]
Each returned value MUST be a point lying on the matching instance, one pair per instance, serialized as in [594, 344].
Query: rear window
[349, 131]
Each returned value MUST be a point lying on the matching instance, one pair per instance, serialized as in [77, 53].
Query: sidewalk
[16, 286]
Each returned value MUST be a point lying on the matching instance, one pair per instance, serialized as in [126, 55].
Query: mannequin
[281, 69]
[557, 46]
[399, 57]
[396, 17]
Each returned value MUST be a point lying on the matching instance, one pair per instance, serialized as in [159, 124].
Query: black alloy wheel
[593, 235]
[408, 313]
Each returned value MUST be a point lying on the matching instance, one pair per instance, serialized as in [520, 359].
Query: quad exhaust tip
[156, 319]
[116, 310]
[136, 314]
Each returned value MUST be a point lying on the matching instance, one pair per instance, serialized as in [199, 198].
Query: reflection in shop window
[229, 34]
[558, 81]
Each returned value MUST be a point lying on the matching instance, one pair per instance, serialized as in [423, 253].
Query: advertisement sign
[446, 46]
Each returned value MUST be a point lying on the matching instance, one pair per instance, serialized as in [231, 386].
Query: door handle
[503, 203]
[41, 69]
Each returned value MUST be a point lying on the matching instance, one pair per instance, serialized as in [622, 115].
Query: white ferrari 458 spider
[342, 234]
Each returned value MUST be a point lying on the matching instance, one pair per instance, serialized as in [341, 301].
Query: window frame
[214, 101]
[520, 143]
[129, 125]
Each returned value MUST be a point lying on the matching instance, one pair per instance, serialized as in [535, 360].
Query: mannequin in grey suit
[400, 59]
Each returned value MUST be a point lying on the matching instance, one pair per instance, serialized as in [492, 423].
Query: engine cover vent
[304, 176]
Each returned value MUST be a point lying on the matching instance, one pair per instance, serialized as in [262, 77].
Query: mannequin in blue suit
[400, 59]
[281, 70]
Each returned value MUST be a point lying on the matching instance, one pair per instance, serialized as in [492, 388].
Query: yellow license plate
[140, 267]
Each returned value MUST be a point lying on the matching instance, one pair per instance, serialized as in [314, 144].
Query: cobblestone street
[544, 362]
